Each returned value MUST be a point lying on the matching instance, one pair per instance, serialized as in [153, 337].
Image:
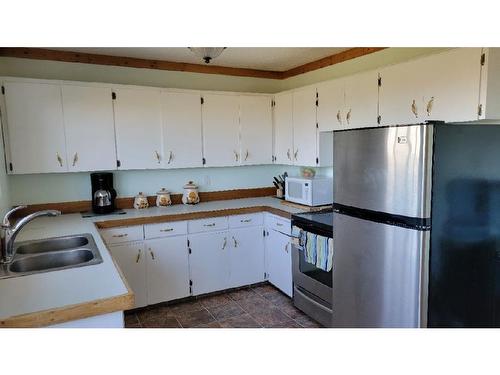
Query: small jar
[190, 195]
[140, 201]
[163, 198]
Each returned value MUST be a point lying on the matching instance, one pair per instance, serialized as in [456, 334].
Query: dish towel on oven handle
[318, 250]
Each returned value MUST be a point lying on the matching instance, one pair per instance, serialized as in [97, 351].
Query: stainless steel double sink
[52, 254]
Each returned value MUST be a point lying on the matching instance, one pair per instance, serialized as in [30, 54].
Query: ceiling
[262, 58]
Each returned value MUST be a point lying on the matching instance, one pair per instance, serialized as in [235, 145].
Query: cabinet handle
[429, 106]
[288, 154]
[235, 242]
[279, 224]
[339, 117]
[75, 159]
[236, 156]
[246, 155]
[170, 157]
[246, 221]
[158, 157]
[167, 230]
[348, 116]
[120, 235]
[414, 108]
[59, 159]
[138, 256]
[209, 225]
[286, 247]
[152, 254]
[224, 243]
[296, 153]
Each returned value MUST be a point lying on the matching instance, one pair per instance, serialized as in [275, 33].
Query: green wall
[75, 186]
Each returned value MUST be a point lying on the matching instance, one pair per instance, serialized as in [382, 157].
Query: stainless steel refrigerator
[416, 226]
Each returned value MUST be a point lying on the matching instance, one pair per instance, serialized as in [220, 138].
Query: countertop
[56, 295]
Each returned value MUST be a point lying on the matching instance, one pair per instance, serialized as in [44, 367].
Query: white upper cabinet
[35, 127]
[331, 103]
[88, 119]
[138, 124]
[304, 127]
[489, 104]
[438, 87]
[361, 100]
[221, 130]
[256, 130]
[283, 128]
[182, 130]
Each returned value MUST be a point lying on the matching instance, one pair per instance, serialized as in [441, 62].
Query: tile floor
[251, 307]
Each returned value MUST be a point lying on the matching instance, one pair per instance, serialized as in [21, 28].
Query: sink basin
[52, 244]
[52, 254]
[48, 261]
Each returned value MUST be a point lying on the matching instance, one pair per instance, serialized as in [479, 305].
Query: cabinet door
[304, 127]
[256, 124]
[283, 128]
[167, 269]
[88, 119]
[138, 128]
[182, 130]
[246, 256]
[35, 127]
[131, 258]
[221, 130]
[361, 100]
[279, 261]
[452, 84]
[209, 262]
[331, 115]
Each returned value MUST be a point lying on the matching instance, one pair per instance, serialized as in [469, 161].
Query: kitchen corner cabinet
[89, 124]
[442, 87]
[35, 128]
[489, 104]
[256, 130]
[221, 146]
[283, 128]
[209, 261]
[304, 127]
[182, 130]
[167, 269]
[138, 124]
[131, 258]
[246, 256]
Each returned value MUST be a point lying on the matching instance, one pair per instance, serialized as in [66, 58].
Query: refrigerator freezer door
[385, 169]
[378, 274]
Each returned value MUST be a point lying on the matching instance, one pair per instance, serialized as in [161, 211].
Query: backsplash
[45, 188]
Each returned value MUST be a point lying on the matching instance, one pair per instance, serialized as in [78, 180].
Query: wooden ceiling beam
[90, 58]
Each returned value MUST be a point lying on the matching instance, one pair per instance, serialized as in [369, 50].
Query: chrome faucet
[8, 233]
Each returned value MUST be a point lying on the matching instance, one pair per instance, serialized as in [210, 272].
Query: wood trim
[127, 202]
[331, 60]
[97, 59]
[68, 313]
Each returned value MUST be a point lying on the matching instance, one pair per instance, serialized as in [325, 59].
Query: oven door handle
[317, 304]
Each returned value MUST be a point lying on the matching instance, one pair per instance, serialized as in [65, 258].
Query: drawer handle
[120, 235]
[235, 242]
[138, 256]
[279, 224]
[209, 225]
[167, 230]
[224, 243]
[246, 221]
[152, 254]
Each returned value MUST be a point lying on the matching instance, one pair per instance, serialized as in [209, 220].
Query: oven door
[310, 278]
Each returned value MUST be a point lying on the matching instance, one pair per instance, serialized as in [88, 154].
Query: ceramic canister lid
[190, 185]
[163, 191]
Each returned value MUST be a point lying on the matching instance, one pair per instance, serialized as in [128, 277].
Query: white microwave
[316, 191]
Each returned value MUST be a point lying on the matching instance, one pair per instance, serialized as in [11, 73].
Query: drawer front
[173, 228]
[278, 223]
[207, 225]
[249, 220]
[122, 234]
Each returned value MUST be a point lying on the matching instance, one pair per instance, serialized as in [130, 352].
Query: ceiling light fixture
[207, 53]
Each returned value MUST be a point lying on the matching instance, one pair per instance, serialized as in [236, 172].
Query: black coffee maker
[103, 194]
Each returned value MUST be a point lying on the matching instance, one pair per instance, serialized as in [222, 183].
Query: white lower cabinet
[209, 261]
[132, 261]
[167, 269]
[246, 256]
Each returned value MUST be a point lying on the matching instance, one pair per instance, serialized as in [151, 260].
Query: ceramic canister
[190, 195]
[140, 201]
[163, 198]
